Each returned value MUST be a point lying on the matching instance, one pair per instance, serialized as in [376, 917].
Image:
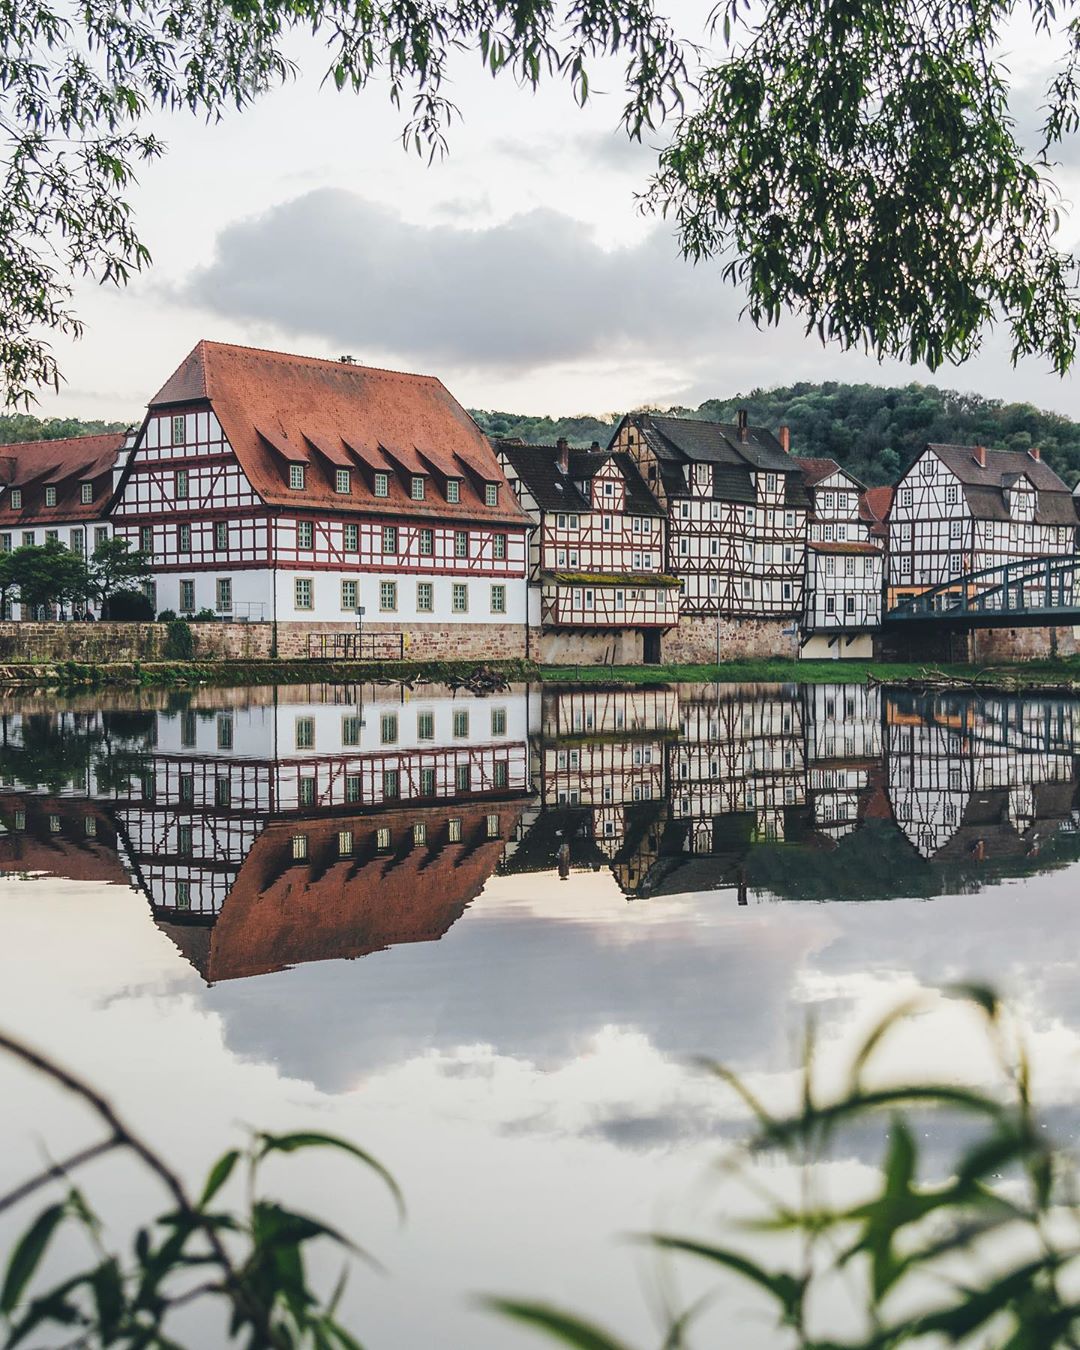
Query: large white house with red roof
[58, 491]
[289, 489]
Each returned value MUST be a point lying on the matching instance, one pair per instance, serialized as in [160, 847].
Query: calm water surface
[485, 936]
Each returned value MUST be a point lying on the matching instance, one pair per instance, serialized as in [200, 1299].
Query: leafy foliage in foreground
[250, 1259]
[984, 1255]
[872, 430]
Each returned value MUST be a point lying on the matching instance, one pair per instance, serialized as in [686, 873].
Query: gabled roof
[65, 465]
[986, 475]
[277, 409]
[538, 468]
[734, 454]
[815, 471]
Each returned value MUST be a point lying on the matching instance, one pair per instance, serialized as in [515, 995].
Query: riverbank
[1028, 676]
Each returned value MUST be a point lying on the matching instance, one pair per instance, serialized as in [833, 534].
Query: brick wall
[695, 639]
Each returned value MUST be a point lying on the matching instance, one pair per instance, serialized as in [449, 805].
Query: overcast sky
[520, 269]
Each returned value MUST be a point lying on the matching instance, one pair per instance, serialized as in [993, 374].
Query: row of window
[86, 496]
[849, 604]
[389, 727]
[384, 838]
[849, 566]
[76, 539]
[418, 487]
[639, 524]
[768, 518]
[464, 543]
[570, 558]
[770, 553]
[304, 596]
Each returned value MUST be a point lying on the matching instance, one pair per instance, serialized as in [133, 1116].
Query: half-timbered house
[963, 508]
[300, 492]
[736, 507]
[844, 565]
[57, 491]
[598, 588]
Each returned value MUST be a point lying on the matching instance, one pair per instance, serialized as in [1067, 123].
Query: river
[487, 938]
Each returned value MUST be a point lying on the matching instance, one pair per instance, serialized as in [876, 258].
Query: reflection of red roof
[277, 409]
[69, 852]
[820, 546]
[65, 465]
[281, 912]
[874, 803]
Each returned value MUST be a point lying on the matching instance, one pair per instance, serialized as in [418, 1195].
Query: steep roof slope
[986, 474]
[278, 409]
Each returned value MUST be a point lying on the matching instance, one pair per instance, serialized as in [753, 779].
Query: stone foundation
[695, 640]
[99, 642]
[1021, 644]
[622, 647]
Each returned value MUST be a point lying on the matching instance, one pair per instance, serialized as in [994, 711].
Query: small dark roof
[676, 440]
[538, 468]
[985, 484]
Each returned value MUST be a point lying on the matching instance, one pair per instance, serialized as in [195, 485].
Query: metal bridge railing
[1031, 587]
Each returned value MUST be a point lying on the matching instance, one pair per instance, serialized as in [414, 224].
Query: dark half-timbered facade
[598, 585]
[736, 509]
[963, 508]
[291, 489]
[842, 593]
[58, 491]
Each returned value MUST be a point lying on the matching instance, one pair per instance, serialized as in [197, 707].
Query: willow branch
[58, 1171]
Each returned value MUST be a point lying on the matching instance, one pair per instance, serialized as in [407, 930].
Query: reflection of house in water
[331, 825]
[843, 757]
[980, 778]
[60, 837]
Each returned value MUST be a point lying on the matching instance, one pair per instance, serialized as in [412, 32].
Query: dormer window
[50, 496]
[16, 499]
[609, 489]
[491, 494]
[453, 490]
[770, 482]
[382, 485]
[343, 481]
[417, 487]
[86, 493]
[296, 477]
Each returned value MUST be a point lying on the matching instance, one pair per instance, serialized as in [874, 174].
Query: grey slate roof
[677, 441]
[984, 488]
[538, 468]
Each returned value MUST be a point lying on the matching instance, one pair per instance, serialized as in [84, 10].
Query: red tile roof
[814, 470]
[277, 409]
[65, 465]
[874, 506]
[282, 913]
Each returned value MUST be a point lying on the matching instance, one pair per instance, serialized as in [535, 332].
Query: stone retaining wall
[48, 643]
[695, 640]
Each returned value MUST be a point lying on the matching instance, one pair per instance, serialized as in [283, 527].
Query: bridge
[1034, 593]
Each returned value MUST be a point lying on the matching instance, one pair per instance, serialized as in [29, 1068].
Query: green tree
[860, 167]
[46, 574]
[115, 566]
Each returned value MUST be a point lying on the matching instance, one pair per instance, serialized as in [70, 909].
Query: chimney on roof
[1035, 453]
[563, 454]
[743, 433]
[595, 445]
[785, 440]
[980, 456]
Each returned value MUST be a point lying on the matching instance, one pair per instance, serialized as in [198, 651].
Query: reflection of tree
[47, 754]
[877, 862]
[52, 753]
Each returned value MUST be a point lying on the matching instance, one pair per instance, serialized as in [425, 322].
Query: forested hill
[17, 427]
[872, 431]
